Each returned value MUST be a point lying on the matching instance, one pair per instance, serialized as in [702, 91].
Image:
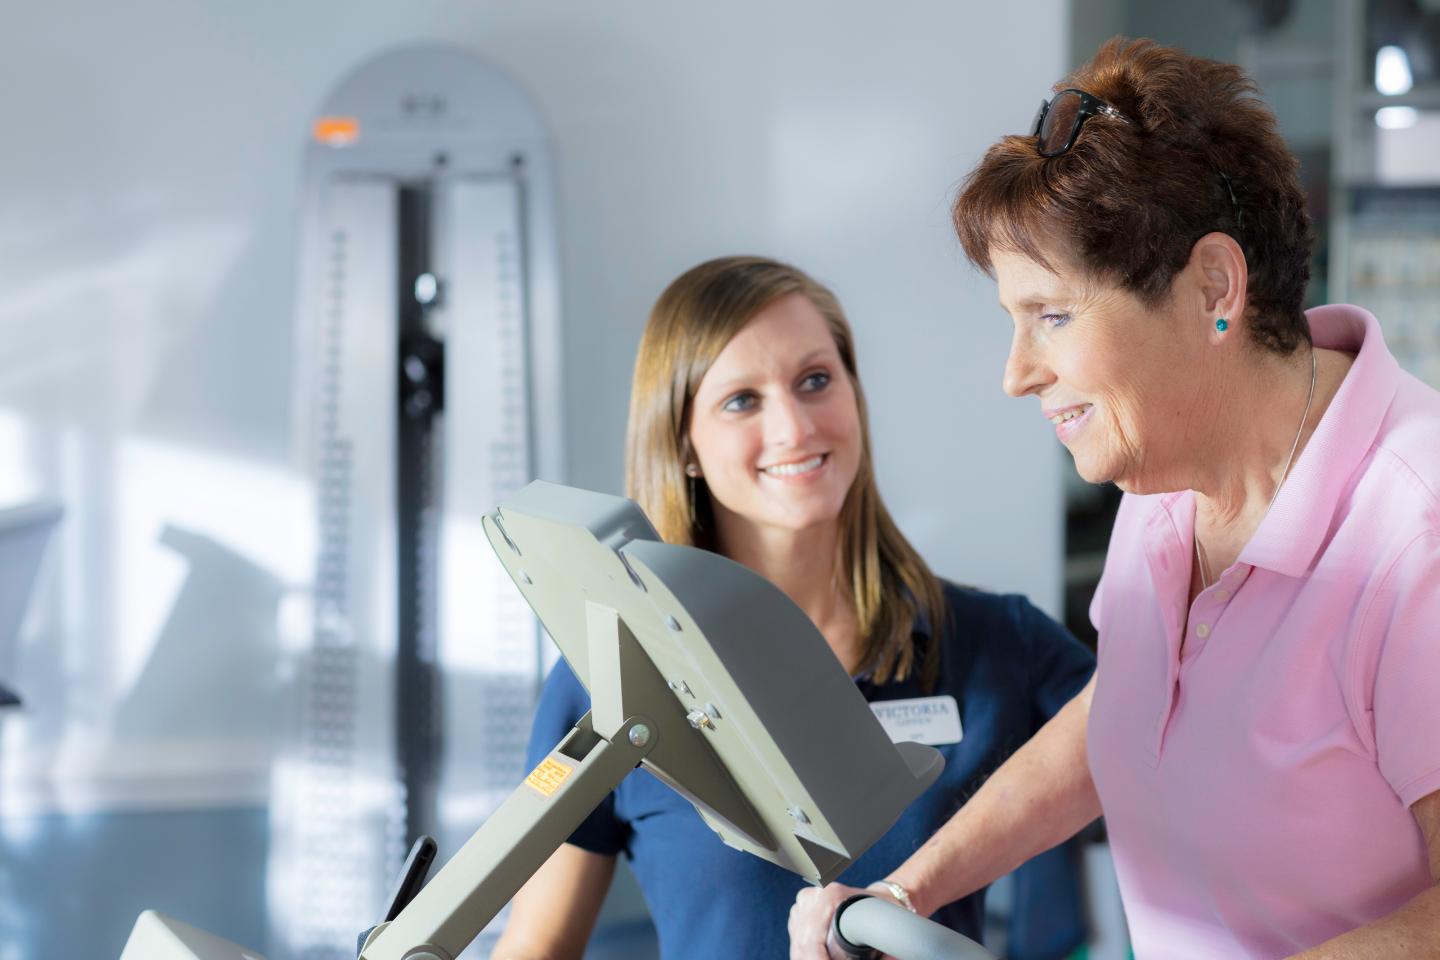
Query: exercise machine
[705, 674]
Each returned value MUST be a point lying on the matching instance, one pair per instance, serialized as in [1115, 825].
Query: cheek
[1086, 363]
[725, 449]
[840, 428]
[839, 417]
[1099, 371]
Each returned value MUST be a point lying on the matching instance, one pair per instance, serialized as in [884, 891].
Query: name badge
[929, 720]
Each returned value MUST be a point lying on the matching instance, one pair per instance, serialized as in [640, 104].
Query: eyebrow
[724, 388]
[1034, 302]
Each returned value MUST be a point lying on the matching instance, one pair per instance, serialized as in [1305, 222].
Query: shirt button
[1202, 631]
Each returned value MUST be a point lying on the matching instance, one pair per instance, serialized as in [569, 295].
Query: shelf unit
[1385, 233]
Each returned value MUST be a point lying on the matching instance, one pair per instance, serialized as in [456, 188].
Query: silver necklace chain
[1201, 565]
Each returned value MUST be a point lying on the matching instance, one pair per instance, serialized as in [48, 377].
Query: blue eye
[816, 381]
[739, 403]
[1055, 319]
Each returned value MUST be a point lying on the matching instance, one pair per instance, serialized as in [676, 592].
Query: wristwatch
[896, 891]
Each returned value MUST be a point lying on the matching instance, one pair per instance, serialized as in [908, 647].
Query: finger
[795, 929]
[811, 949]
[807, 936]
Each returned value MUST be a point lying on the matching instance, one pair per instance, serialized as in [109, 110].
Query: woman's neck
[805, 564]
[1256, 431]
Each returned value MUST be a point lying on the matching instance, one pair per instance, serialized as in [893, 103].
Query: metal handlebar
[864, 927]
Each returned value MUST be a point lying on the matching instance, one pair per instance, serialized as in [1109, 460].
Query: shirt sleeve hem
[1363, 659]
[1419, 788]
[599, 847]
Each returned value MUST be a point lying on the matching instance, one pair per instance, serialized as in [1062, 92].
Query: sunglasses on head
[1057, 122]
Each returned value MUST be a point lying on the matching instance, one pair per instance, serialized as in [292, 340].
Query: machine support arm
[518, 838]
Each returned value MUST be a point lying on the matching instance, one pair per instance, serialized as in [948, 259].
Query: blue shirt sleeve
[1058, 665]
[563, 701]
[1048, 918]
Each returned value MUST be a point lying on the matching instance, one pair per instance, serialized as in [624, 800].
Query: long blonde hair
[887, 581]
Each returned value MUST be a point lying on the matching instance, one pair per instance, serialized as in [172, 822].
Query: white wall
[148, 219]
[148, 225]
[832, 135]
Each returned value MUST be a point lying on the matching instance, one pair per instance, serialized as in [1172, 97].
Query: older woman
[1263, 730]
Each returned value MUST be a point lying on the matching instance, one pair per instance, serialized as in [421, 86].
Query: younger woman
[748, 436]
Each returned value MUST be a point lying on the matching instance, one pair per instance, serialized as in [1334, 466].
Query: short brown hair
[698, 314]
[1128, 201]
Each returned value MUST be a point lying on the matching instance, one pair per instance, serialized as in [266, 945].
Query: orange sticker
[336, 131]
[548, 776]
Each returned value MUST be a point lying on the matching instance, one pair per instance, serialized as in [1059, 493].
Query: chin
[806, 521]
[1098, 473]
[1087, 470]
[1123, 481]
[808, 517]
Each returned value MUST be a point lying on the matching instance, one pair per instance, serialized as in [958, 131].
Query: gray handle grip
[891, 929]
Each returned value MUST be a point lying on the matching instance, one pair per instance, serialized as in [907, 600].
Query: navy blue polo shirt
[1009, 667]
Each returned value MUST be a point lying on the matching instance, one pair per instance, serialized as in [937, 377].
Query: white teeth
[1069, 414]
[792, 469]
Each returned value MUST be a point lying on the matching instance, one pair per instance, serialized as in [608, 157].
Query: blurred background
[290, 294]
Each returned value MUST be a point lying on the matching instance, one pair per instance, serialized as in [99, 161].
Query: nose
[1025, 373]
[788, 423]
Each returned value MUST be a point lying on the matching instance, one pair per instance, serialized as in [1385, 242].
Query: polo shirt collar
[1291, 534]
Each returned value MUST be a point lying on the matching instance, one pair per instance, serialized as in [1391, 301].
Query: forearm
[1410, 933]
[1040, 797]
[506, 949]
[552, 915]
[522, 944]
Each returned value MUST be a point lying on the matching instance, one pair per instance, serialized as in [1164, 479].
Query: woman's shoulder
[992, 636]
[1005, 624]
[1410, 467]
[1008, 614]
[563, 694]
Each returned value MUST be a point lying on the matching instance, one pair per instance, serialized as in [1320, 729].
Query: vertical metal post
[419, 719]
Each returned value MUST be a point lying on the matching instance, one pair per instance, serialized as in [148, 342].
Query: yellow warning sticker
[548, 776]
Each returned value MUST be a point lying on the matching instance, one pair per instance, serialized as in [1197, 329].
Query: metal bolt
[712, 711]
[427, 289]
[699, 720]
[673, 624]
[640, 735]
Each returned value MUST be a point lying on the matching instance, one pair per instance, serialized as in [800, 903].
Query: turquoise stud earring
[1222, 324]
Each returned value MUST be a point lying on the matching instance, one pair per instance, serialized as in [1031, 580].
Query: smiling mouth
[1065, 416]
[797, 467]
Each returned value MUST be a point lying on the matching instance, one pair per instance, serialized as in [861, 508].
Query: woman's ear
[689, 462]
[1218, 269]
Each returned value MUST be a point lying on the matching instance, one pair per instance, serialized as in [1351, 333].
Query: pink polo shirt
[1257, 787]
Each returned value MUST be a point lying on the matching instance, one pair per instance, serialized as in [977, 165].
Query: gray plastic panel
[158, 937]
[784, 719]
